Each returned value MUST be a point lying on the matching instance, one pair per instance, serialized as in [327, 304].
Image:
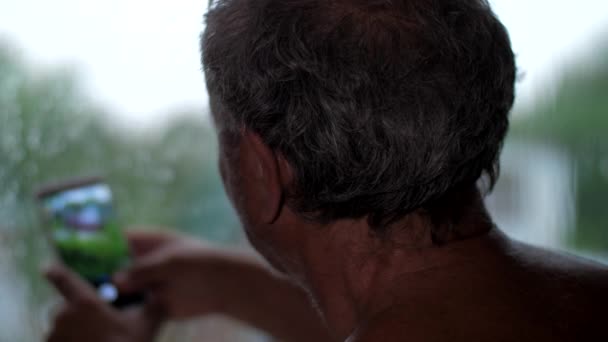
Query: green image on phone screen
[85, 232]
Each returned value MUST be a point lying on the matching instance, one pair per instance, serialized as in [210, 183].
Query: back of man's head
[381, 107]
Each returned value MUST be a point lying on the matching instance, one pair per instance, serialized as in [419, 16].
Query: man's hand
[183, 278]
[186, 277]
[84, 317]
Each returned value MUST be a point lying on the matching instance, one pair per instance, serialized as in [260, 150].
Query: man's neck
[354, 274]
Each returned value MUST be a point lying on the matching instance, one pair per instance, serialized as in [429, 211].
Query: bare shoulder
[530, 294]
[551, 265]
[570, 283]
[569, 293]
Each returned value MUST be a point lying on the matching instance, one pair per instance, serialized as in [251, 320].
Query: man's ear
[265, 182]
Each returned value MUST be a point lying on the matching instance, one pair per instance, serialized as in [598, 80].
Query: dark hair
[380, 106]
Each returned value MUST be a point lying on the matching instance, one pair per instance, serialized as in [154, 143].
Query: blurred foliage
[575, 121]
[50, 131]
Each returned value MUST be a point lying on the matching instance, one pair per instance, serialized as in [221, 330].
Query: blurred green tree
[575, 121]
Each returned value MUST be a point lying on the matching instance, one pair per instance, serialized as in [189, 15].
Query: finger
[61, 325]
[57, 335]
[145, 242]
[151, 313]
[143, 273]
[70, 286]
[146, 320]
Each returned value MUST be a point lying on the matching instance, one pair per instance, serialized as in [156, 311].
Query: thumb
[69, 285]
[148, 271]
[143, 242]
[147, 317]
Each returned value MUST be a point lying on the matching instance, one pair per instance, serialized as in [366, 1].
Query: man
[355, 139]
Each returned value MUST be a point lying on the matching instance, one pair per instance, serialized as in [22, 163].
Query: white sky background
[141, 60]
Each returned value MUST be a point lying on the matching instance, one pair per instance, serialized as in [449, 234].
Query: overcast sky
[140, 58]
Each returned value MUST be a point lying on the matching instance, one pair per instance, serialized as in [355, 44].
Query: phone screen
[83, 228]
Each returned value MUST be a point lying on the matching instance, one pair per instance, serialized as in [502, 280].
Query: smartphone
[80, 220]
